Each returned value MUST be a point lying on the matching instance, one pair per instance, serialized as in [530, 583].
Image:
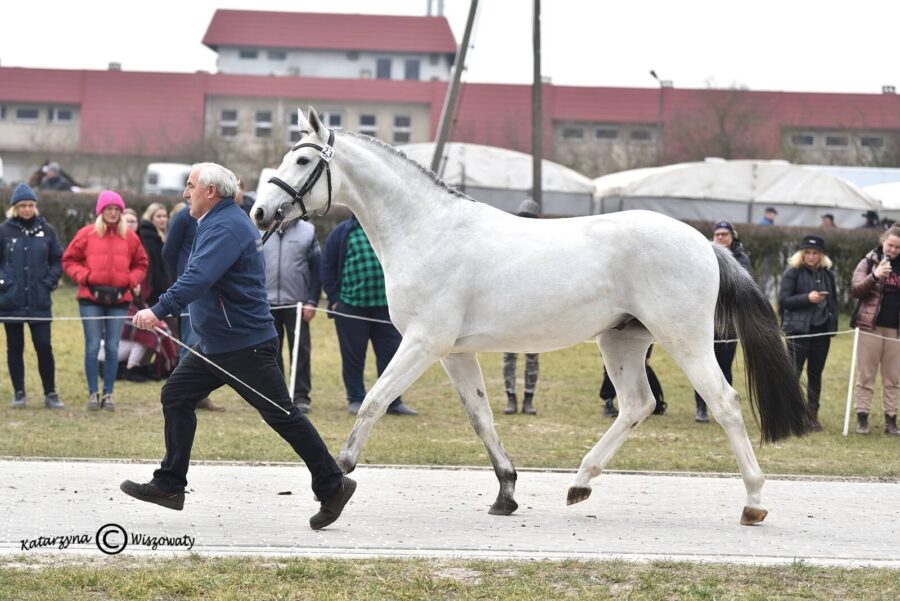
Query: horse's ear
[302, 123]
[315, 123]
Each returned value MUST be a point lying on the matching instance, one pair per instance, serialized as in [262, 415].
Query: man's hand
[145, 319]
[309, 311]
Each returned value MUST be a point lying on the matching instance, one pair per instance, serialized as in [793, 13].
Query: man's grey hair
[223, 179]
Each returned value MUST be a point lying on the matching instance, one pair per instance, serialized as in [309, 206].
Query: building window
[803, 140]
[263, 124]
[641, 135]
[293, 127]
[352, 55]
[411, 69]
[871, 141]
[60, 114]
[434, 58]
[836, 141]
[248, 53]
[573, 133]
[368, 125]
[27, 114]
[277, 55]
[383, 68]
[332, 119]
[228, 123]
[402, 129]
[606, 133]
[2, 112]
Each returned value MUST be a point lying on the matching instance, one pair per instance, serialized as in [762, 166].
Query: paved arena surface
[437, 512]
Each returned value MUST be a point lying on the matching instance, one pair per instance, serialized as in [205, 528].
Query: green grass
[569, 423]
[211, 578]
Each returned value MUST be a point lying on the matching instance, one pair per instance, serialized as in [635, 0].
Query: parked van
[167, 179]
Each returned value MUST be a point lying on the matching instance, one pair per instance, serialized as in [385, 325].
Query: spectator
[143, 354]
[30, 269]
[876, 283]
[152, 231]
[108, 263]
[808, 305]
[224, 285]
[769, 217]
[354, 282]
[176, 252]
[529, 209]
[130, 217]
[54, 178]
[292, 276]
[827, 222]
[726, 236]
[872, 221]
[608, 390]
[239, 198]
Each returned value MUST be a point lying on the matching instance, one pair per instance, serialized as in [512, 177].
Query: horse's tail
[774, 387]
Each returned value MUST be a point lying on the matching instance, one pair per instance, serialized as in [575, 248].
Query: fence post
[850, 383]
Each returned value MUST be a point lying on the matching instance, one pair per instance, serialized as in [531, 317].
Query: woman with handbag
[108, 262]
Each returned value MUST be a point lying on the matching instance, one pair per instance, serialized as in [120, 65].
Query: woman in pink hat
[108, 262]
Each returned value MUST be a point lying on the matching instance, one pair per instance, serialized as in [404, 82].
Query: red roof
[386, 33]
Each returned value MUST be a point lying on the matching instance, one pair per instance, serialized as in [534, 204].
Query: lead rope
[158, 330]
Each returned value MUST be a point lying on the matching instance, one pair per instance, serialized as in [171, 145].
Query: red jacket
[110, 260]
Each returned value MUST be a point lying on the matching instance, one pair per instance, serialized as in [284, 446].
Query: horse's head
[303, 182]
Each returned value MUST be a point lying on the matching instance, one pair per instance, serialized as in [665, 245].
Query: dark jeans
[194, 379]
[285, 322]
[724, 357]
[813, 352]
[15, 351]
[354, 336]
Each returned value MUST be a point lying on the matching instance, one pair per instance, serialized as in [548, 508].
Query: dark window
[434, 58]
[353, 55]
[606, 133]
[368, 124]
[264, 117]
[294, 118]
[836, 141]
[803, 140]
[60, 115]
[402, 121]
[294, 135]
[641, 135]
[247, 53]
[411, 69]
[153, 179]
[228, 115]
[871, 141]
[228, 131]
[401, 137]
[573, 133]
[277, 55]
[2, 112]
[383, 68]
[263, 132]
[367, 119]
[27, 114]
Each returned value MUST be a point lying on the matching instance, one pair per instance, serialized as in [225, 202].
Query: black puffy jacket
[796, 310]
[30, 267]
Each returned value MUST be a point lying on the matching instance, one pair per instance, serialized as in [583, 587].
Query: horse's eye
[302, 161]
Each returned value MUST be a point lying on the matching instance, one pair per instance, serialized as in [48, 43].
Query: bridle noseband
[325, 155]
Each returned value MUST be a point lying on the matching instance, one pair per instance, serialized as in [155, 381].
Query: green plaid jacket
[362, 279]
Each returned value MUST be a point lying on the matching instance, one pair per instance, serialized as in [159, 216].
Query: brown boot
[890, 425]
[207, 404]
[862, 422]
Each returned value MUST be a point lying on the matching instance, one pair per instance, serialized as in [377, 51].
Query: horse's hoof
[503, 507]
[346, 465]
[577, 494]
[751, 516]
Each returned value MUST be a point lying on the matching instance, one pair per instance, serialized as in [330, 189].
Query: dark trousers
[354, 336]
[724, 357]
[15, 353]
[285, 322]
[194, 379]
[608, 390]
[813, 352]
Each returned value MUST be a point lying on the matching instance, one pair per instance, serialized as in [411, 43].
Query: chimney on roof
[888, 90]
[115, 66]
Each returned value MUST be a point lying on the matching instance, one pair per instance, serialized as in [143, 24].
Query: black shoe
[512, 404]
[52, 401]
[527, 405]
[19, 400]
[330, 510]
[609, 410]
[401, 409]
[303, 405]
[151, 493]
[353, 408]
[133, 374]
[701, 417]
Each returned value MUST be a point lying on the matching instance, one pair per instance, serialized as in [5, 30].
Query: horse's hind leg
[465, 374]
[624, 353]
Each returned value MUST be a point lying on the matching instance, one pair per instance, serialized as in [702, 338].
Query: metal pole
[659, 118]
[850, 383]
[537, 127]
[450, 101]
[297, 324]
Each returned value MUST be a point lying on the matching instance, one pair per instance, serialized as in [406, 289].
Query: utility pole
[537, 126]
[663, 84]
[450, 102]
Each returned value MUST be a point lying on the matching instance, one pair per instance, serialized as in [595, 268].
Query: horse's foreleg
[624, 354]
[412, 358]
[465, 374]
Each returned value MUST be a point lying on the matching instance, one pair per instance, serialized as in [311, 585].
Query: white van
[167, 179]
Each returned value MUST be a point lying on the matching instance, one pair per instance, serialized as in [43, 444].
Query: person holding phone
[876, 283]
[808, 306]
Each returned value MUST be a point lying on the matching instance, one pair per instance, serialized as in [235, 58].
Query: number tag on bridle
[327, 153]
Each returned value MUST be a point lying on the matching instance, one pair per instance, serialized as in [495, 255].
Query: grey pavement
[234, 509]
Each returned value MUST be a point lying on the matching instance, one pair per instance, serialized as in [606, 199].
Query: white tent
[502, 177]
[740, 191]
[889, 196]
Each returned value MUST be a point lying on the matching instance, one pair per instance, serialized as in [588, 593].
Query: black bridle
[325, 154]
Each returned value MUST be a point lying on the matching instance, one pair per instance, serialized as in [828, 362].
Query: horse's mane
[400, 154]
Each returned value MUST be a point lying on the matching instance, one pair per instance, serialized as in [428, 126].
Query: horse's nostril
[259, 215]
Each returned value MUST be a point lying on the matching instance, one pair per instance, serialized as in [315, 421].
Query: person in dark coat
[808, 305]
[152, 232]
[30, 268]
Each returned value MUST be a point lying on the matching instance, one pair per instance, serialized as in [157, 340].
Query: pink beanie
[108, 197]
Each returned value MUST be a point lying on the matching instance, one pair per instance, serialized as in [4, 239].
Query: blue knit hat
[22, 192]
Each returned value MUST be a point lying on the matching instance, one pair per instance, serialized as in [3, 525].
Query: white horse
[463, 277]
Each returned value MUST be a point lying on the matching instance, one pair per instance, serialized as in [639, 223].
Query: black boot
[862, 422]
[701, 417]
[527, 407]
[814, 412]
[609, 410]
[512, 404]
[890, 425]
